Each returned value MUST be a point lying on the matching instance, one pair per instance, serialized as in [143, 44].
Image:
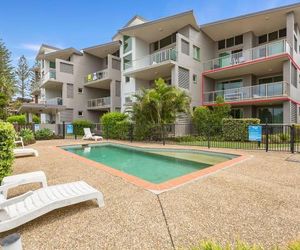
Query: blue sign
[37, 127]
[69, 129]
[255, 133]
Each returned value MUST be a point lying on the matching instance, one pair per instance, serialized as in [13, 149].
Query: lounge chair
[21, 179]
[19, 141]
[25, 152]
[31, 205]
[89, 136]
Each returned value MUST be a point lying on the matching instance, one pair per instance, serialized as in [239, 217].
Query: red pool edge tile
[171, 184]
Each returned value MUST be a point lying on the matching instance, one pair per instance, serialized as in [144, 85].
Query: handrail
[99, 102]
[98, 75]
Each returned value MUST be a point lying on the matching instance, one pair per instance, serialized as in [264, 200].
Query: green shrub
[20, 119]
[27, 135]
[7, 144]
[115, 125]
[201, 119]
[237, 129]
[44, 134]
[36, 119]
[79, 125]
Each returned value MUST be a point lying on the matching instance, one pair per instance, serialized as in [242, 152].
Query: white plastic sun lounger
[22, 179]
[29, 206]
[89, 136]
[25, 152]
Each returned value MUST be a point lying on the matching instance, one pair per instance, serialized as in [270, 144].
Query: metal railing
[99, 102]
[55, 101]
[152, 59]
[96, 76]
[262, 91]
[262, 51]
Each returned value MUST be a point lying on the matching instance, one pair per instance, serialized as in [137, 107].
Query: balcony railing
[99, 102]
[55, 101]
[152, 59]
[96, 76]
[51, 74]
[262, 91]
[263, 51]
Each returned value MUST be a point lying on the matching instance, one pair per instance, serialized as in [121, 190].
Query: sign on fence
[69, 128]
[37, 127]
[255, 133]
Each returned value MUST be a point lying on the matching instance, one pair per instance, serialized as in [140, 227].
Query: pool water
[152, 165]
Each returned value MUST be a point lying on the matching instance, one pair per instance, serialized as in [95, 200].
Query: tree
[159, 105]
[220, 111]
[23, 73]
[7, 79]
[34, 76]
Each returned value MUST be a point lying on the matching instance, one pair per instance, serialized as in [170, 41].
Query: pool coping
[162, 187]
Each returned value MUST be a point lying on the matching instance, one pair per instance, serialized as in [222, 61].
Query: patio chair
[19, 210]
[25, 152]
[19, 140]
[89, 136]
[22, 179]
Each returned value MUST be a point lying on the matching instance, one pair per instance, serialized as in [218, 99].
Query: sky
[26, 24]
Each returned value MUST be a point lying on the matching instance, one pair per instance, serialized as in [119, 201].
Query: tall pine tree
[23, 73]
[7, 79]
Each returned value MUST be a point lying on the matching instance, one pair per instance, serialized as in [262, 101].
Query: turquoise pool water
[153, 165]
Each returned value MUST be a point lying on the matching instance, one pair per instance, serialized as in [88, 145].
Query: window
[273, 36]
[166, 41]
[195, 79]
[127, 60]
[163, 42]
[118, 88]
[221, 44]
[232, 84]
[282, 33]
[52, 65]
[236, 113]
[80, 90]
[271, 114]
[263, 39]
[127, 44]
[196, 53]
[185, 47]
[294, 75]
[127, 79]
[295, 44]
[66, 68]
[70, 90]
[229, 42]
[80, 113]
[183, 78]
[238, 40]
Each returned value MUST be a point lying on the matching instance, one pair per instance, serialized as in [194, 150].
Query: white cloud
[31, 46]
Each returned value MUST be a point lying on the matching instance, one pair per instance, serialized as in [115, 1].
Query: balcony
[50, 79]
[152, 66]
[55, 101]
[251, 93]
[99, 103]
[99, 79]
[253, 58]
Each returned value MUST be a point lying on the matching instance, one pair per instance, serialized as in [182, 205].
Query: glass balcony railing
[50, 75]
[152, 59]
[99, 102]
[262, 91]
[263, 51]
[55, 101]
[96, 76]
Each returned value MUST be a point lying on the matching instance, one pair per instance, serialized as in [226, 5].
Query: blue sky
[24, 25]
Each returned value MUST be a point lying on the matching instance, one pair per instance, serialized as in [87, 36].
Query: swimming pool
[150, 167]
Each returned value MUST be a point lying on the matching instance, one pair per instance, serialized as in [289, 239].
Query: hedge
[237, 129]
[20, 119]
[79, 125]
[7, 144]
[44, 134]
[115, 125]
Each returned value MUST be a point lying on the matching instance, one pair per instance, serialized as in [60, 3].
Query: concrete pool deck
[257, 201]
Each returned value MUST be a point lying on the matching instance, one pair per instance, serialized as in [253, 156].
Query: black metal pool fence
[273, 137]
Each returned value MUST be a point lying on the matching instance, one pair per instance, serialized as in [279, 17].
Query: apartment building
[77, 84]
[252, 61]
[254, 65]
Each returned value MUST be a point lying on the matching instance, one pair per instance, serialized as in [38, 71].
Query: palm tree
[160, 105]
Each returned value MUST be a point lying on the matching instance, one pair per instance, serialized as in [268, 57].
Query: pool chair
[25, 152]
[89, 136]
[22, 179]
[19, 210]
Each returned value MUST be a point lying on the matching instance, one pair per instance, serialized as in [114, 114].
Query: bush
[7, 144]
[27, 135]
[44, 134]
[19, 119]
[237, 129]
[36, 119]
[79, 125]
[115, 125]
[201, 119]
